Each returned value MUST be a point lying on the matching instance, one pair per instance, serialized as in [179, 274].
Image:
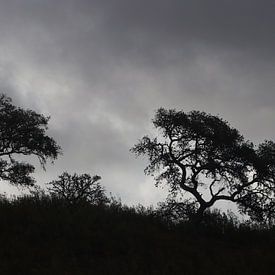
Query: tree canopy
[77, 189]
[202, 155]
[23, 132]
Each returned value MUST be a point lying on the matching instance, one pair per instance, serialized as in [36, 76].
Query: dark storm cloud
[100, 69]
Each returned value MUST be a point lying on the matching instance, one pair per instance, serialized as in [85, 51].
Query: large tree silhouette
[202, 155]
[22, 133]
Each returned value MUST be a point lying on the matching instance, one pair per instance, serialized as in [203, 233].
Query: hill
[43, 235]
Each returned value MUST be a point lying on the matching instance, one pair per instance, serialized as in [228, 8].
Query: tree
[22, 133]
[202, 155]
[76, 189]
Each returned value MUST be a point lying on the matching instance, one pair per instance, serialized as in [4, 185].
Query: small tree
[200, 154]
[76, 189]
[22, 132]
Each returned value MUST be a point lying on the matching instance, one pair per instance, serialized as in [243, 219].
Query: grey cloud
[100, 69]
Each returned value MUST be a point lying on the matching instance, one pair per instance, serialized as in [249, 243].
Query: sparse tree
[202, 155]
[76, 189]
[22, 133]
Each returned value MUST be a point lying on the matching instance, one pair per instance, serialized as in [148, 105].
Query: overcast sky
[101, 68]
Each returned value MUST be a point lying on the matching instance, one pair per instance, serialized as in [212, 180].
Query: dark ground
[44, 236]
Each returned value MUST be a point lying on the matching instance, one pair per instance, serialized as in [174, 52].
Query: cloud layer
[101, 68]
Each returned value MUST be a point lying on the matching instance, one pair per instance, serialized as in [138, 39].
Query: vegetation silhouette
[40, 234]
[199, 153]
[22, 132]
[76, 189]
[72, 227]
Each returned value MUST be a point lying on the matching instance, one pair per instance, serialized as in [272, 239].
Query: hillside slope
[44, 236]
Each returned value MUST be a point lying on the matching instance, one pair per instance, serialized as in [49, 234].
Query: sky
[102, 68]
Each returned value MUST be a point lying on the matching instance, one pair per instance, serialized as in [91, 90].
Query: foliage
[41, 235]
[77, 189]
[202, 155]
[176, 211]
[22, 132]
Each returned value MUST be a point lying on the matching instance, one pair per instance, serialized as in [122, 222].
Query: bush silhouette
[41, 235]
